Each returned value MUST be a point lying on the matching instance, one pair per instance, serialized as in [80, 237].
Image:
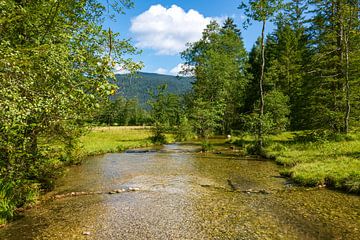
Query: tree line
[302, 76]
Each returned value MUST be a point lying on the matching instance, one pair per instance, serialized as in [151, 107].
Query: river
[178, 193]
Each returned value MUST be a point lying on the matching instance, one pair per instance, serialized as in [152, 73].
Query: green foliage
[206, 146]
[218, 63]
[165, 113]
[335, 56]
[260, 10]
[56, 60]
[206, 117]
[7, 204]
[321, 136]
[123, 112]
[184, 130]
[277, 110]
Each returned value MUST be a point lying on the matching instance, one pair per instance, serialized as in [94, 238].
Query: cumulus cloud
[120, 69]
[168, 30]
[176, 70]
[161, 71]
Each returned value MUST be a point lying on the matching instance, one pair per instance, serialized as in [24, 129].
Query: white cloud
[161, 71]
[168, 30]
[120, 69]
[176, 69]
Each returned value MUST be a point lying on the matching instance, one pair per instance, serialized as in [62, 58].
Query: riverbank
[312, 160]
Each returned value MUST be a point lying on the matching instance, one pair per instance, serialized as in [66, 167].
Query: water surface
[186, 195]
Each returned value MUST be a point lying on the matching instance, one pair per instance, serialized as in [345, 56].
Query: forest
[299, 84]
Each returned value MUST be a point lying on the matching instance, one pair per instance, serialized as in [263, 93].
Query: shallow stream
[177, 193]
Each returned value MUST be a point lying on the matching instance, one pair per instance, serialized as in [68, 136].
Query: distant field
[115, 139]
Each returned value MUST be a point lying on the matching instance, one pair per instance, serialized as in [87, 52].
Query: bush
[184, 131]
[206, 146]
[16, 194]
[239, 142]
[158, 138]
[7, 204]
[254, 149]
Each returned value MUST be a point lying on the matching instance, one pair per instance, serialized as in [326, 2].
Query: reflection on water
[186, 195]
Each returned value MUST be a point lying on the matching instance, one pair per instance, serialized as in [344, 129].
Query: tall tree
[287, 57]
[261, 11]
[218, 62]
[335, 44]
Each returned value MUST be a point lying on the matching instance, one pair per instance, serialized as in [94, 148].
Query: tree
[287, 57]
[165, 113]
[56, 62]
[335, 47]
[218, 62]
[206, 117]
[261, 11]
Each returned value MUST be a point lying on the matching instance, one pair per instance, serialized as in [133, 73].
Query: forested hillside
[141, 84]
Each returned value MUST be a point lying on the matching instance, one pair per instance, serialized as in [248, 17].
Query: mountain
[141, 84]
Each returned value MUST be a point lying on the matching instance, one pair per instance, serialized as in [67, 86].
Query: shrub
[206, 146]
[184, 131]
[7, 205]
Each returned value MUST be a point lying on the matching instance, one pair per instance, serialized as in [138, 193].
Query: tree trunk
[341, 44]
[261, 83]
[347, 86]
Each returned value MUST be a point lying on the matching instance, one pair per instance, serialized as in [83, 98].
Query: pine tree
[335, 30]
[287, 55]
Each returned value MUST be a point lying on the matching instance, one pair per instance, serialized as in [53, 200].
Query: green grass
[335, 164]
[115, 139]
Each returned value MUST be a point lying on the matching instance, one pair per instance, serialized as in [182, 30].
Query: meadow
[115, 139]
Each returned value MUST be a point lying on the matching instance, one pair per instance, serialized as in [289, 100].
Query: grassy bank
[334, 163]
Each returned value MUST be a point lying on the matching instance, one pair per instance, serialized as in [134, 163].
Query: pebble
[87, 233]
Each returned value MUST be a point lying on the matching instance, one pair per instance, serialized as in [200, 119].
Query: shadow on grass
[130, 140]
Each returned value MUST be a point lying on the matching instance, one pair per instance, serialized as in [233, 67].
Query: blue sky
[160, 28]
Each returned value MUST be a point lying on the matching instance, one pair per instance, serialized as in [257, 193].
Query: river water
[182, 194]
